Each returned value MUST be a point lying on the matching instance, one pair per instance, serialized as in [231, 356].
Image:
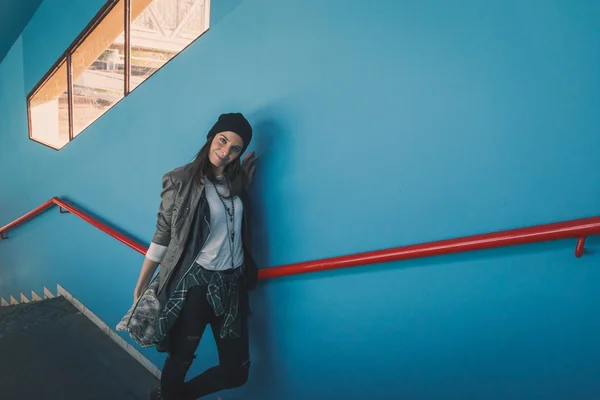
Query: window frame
[65, 57]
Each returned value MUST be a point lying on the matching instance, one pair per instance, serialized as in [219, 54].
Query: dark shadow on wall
[271, 138]
[20, 13]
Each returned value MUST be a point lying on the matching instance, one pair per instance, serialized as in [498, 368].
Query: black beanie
[234, 122]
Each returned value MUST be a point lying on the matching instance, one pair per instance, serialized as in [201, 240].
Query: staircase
[50, 350]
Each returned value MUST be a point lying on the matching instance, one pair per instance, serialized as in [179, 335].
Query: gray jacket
[180, 198]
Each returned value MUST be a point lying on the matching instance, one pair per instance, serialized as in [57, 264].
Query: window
[161, 31]
[98, 70]
[49, 110]
[127, 42]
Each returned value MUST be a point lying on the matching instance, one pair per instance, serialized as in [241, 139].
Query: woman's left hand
[248, 166]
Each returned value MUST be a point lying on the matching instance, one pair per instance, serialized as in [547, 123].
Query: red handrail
[75, 211]
[578, 228]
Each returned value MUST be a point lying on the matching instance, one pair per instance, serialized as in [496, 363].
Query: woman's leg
[233, 368]
[183, 341]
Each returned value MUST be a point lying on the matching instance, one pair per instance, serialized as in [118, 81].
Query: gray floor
[49, 351]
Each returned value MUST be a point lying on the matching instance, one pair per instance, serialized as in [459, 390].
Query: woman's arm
[154, 257]
[148, 268]
[249, 167]
[161, 237]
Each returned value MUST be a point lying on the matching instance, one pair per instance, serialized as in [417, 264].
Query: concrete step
[51, 351]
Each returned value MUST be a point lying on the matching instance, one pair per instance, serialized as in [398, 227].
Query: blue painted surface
[377, 125]
[14, 16]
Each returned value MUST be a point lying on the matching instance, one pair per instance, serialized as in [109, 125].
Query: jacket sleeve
[251, 272]
[162, 236]
[251, 267]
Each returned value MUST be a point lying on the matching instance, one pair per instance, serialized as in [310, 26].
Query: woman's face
[225, 148]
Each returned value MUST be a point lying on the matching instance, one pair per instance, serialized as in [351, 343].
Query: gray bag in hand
[142, 318]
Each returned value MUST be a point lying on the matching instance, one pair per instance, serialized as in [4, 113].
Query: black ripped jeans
[234, 357]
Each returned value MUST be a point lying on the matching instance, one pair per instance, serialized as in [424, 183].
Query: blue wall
[378, 124]
[14, 16]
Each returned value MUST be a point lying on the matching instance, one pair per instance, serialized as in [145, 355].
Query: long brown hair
[202, 167]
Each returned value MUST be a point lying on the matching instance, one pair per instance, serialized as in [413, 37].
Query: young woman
[203, 241]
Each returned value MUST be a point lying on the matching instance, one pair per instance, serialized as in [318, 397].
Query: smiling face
[225, 148]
